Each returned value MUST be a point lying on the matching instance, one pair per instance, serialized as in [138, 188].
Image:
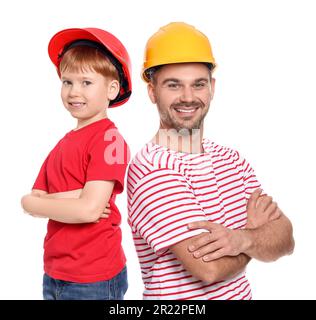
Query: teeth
[76, 104]
[185, 111]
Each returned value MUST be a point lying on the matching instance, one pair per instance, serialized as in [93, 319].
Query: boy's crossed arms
[76, 206]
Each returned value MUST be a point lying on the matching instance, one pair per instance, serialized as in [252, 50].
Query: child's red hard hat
[66, 37]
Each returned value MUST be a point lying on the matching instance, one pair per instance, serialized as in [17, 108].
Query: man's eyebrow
[201, 80]
[171, 80]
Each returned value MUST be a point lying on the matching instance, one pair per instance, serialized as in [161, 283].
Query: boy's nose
[74, 91]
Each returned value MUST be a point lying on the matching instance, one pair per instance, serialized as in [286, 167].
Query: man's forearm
[228, 267]
[270, 241]
[62, 210]
[208, 271]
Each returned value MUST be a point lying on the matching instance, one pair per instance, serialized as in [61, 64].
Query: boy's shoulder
[96, 130]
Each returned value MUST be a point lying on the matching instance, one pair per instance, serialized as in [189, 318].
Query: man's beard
[181, 127]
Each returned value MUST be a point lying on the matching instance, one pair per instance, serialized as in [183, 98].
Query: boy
[83, 256]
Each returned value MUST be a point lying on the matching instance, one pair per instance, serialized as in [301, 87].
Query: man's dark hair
[150, 73]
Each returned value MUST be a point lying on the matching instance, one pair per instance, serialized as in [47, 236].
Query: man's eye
[173, 85]
[199, 85]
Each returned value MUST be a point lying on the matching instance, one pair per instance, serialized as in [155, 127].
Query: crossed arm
[212, 271]
[222, 253]
[79, 206]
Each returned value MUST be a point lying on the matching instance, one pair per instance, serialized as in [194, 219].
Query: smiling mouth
[187, 111]
[76, 104]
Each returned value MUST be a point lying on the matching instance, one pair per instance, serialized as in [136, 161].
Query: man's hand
[221, 241]
[217, 243]
[260, 210]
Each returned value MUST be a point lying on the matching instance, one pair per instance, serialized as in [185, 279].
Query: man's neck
[181, 141]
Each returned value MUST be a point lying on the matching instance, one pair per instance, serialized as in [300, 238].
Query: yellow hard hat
[177, 42]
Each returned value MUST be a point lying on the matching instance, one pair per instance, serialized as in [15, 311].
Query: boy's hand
[105, 214]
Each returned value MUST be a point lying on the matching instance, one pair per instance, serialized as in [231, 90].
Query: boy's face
[86, 95]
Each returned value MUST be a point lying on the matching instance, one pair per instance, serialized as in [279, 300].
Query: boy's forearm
[73, 194]
[62, 210]
[270, 241]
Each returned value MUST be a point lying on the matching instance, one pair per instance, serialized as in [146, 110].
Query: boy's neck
[85, 122]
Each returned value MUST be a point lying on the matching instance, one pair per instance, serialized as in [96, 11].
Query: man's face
[183, 93]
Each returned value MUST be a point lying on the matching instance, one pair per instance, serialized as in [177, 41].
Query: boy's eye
[66, 82]
[86, 83]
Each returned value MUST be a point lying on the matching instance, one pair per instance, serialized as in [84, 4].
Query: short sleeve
[108, 156]
[249, 177]
[41, 182]
[161, 207]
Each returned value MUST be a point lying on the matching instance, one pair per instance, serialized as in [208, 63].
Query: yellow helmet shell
[177, 42]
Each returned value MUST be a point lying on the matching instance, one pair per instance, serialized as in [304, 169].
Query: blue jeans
[113, 289]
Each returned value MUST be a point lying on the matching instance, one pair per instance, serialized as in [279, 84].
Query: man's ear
[151, 92]
[213, 81]
[113, 89]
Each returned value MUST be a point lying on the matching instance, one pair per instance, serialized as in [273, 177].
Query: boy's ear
[113, 89]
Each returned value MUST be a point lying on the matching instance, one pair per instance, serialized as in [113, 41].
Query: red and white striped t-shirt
[166, 191]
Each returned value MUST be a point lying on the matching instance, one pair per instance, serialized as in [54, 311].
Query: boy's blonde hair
[84, 58]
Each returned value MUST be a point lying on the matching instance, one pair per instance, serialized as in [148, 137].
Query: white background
[264, 107]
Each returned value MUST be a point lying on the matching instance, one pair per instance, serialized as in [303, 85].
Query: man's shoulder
[146, 157]
[151, 160]
[219, 151]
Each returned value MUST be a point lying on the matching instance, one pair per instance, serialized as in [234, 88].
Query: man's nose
[187, 94]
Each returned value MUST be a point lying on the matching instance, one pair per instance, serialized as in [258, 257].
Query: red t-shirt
[86, 252]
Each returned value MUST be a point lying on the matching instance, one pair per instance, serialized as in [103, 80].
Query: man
[195, 208]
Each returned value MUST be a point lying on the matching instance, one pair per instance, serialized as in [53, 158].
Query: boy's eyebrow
[81, 78]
